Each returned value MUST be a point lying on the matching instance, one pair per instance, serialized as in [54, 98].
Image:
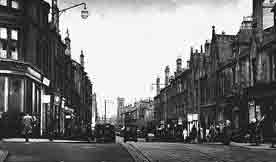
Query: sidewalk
[3, 155]
[264, 146]
[36, 140]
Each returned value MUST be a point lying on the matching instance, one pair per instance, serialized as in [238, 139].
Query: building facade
[141, 114]
[230, 78]
[32, 68]
[120, 107]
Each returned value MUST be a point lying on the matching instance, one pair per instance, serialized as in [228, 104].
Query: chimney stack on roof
[82, 58]
[178, 65]
[167, 75]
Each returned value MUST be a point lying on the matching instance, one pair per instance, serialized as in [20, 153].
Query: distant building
[94, 109]
[120, 106]
[141, 113]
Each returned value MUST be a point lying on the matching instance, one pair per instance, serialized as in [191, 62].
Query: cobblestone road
[178, 152]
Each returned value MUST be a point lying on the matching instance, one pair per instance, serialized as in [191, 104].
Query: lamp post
[56, 13]
[84, 11]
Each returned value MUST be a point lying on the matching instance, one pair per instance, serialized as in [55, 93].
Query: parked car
[104, 133]
[130, 133]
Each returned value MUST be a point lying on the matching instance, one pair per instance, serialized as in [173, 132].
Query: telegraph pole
[104, 111]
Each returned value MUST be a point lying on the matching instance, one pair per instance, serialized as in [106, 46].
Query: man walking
[185, 134]
[227, 133]
[194, 134]
[27, 123]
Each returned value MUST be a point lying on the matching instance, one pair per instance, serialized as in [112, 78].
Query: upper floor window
[10, 3]
[8, 43]
[3, 42]
[15, 4]
[4, 2]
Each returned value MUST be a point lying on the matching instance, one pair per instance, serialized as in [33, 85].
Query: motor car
[130, 133]
[104, 133]
[150, 137]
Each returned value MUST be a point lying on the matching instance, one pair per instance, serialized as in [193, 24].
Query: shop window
[4, 2]
[2, 94]
[15, 95]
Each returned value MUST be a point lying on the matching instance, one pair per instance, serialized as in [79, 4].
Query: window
[15, 94]
[3, 49]
[14, 4]
[14, 51]
[10, 3]
[8, 43]
[14, 34]
[3, 33]
[3, 2]
[3, 42]
[2, 94]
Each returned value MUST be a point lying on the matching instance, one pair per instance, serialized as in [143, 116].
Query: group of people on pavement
[212, 134]
[224, 133]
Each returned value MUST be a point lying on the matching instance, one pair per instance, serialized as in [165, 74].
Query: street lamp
[84, 12]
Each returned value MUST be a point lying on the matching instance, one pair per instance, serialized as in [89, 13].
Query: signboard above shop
[268, 17]
[192, 117]
[46, 81]
[34, 73]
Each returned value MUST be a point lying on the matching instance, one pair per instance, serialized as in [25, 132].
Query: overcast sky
[128, 43]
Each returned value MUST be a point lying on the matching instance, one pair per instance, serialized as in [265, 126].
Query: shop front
[20, 93]
[69, 118]
[263, 108]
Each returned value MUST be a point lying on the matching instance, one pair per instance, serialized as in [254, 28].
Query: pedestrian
[252, 130]
[207, 135]
[212, 134]
[185, 134]
[27, 122]
[1, 129]
[200, 130]
[193, 134]
[273, 138]
[227, 133]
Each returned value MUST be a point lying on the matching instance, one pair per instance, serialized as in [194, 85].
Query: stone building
[262, 58]
[32, 68]
[120, 107]
[174, 102]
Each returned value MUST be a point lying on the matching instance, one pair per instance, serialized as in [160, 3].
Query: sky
[128, 43]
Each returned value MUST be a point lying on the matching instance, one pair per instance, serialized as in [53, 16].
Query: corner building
[33, 68]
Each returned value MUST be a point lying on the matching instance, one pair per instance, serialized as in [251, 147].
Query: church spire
[67, 43]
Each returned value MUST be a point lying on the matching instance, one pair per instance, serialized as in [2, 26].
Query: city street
[70, 151]
[179, 152]
[65, 151]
